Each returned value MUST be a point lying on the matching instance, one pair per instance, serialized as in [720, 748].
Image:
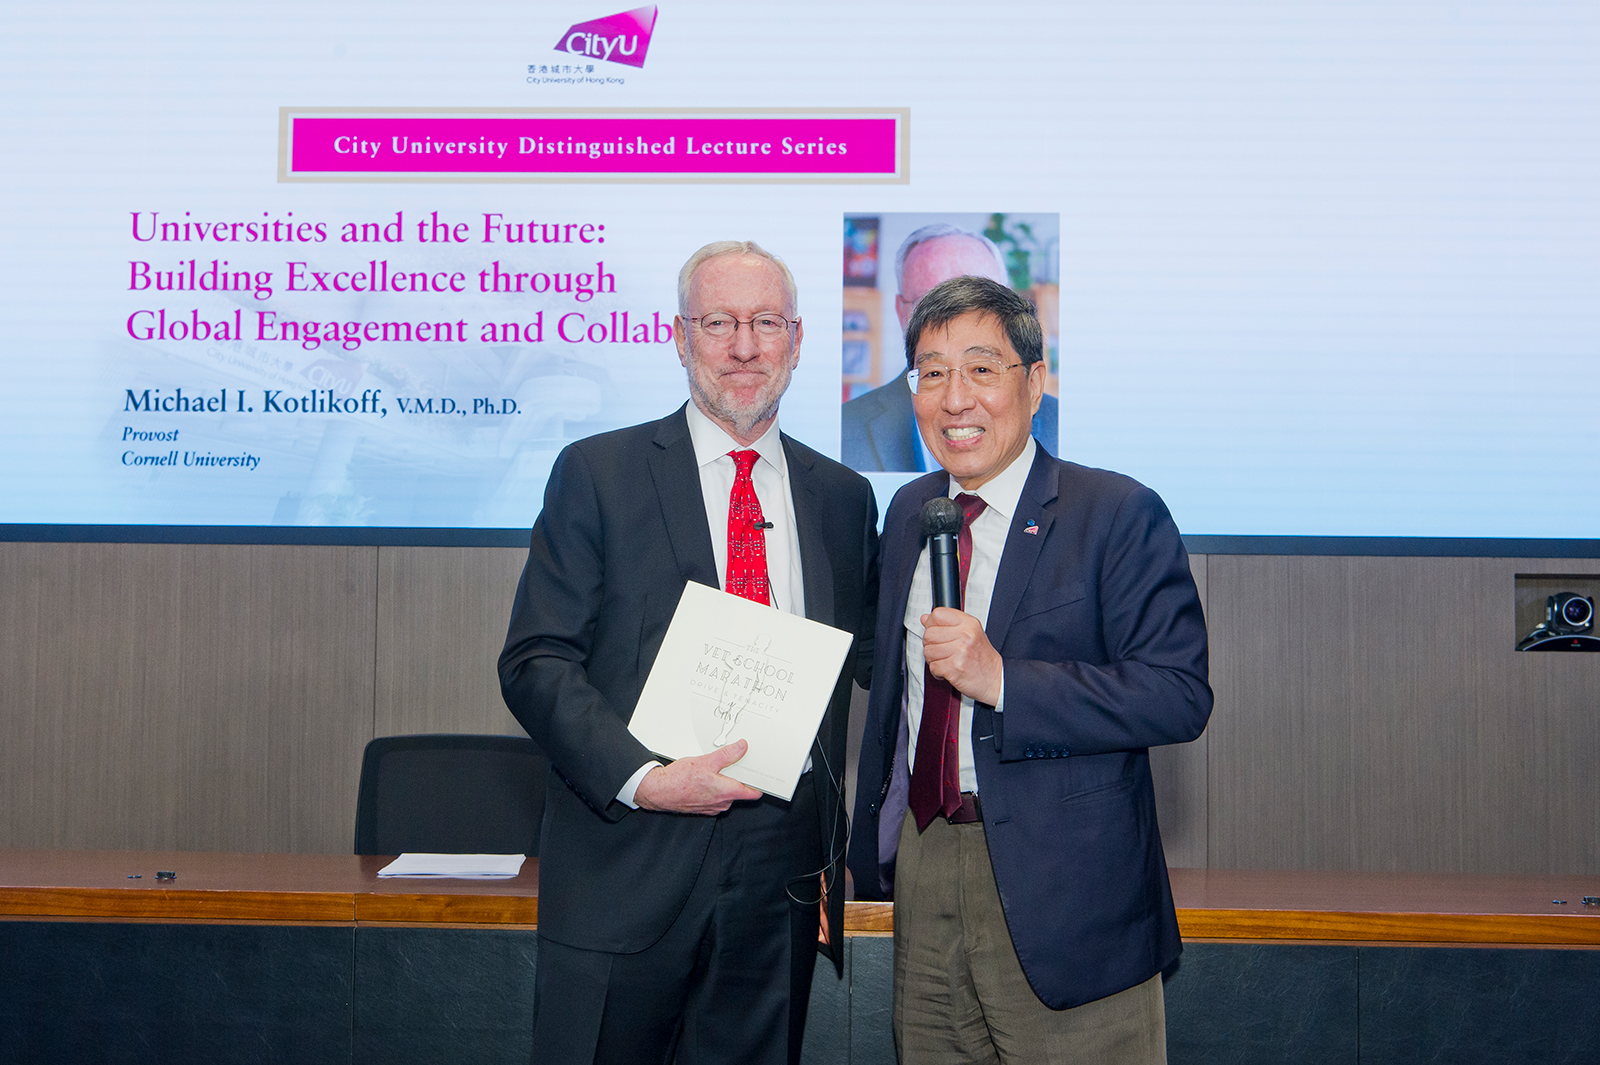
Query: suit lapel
[816, 567]
[1022, 548]
[677, 483]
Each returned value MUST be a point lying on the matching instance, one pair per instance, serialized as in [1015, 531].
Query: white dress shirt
[989, 531]
[770, 476]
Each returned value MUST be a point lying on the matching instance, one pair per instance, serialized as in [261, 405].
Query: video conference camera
[1568, 625]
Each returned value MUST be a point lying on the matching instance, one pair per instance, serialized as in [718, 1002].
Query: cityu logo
[341, 377]
[620, 38]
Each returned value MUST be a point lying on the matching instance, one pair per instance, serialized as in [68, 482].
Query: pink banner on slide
[799, 147]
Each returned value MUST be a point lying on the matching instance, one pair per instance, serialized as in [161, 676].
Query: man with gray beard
[678, 908]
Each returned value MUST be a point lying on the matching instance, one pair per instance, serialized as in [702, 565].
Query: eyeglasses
[979, 373]
[720, 326]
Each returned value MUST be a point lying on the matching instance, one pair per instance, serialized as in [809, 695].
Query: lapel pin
[1032, 528]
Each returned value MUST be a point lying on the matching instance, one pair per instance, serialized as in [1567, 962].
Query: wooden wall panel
[91, 749]
[185, 697]
[1536, 762]
[1279, 760]
[1371, 713]
[1180, 776]
[442, 615]
[25, 807]
[1378, 718]
[312, 611]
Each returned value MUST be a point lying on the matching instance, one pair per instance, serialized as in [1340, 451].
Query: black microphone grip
[941, 522]
[946, 570]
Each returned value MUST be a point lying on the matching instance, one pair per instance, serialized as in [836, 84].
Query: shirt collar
[1003, 490]
[712, 442]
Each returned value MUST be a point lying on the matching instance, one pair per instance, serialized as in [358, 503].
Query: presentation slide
[1323, 269]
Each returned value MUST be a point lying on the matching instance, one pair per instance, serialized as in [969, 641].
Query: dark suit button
[872, 808]
[1027, 752]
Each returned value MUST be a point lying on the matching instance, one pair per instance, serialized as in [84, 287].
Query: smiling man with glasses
[742, 340]
[678, 908]
[974, 410]
[1004, 799]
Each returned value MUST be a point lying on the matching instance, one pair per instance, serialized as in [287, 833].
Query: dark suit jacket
[878, 431]
[623, 528]
[1099, 623]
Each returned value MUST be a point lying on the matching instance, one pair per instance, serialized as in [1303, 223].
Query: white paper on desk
[455, 866]
[730, 669]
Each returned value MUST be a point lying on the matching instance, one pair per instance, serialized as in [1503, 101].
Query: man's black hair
[951, 299]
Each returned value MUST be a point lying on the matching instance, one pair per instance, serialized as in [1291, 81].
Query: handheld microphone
[941, 524]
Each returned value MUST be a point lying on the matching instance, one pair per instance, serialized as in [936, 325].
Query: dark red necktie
[747, 538]
[936, 772]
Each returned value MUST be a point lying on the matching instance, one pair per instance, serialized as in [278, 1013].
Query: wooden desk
[1403, 908]
[1213, 904]
[259, 888]
[312, 958]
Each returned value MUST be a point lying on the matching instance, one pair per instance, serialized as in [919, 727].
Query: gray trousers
[960, 995]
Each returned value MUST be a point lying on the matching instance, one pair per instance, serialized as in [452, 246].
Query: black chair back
[451, 794]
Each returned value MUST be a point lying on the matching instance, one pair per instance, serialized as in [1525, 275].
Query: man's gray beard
[739, 419]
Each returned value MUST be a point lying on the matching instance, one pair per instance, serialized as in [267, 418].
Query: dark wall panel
[162, 994]
[1262, 1004]
[426, 995]
[1479, 1006]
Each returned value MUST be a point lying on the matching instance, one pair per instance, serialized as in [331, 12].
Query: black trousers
[729, 982]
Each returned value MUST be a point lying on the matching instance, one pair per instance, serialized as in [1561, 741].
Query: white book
[730, 669]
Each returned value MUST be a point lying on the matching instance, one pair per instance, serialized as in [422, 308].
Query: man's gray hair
[733, 247]
[934, 231]
[949, 300]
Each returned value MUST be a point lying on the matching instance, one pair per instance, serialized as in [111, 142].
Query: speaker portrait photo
[877, 429]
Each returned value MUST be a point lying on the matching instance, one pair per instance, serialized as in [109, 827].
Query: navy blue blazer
[1099, 623]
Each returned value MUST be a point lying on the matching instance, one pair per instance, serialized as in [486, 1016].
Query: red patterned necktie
[936, 772]
[747, 538]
